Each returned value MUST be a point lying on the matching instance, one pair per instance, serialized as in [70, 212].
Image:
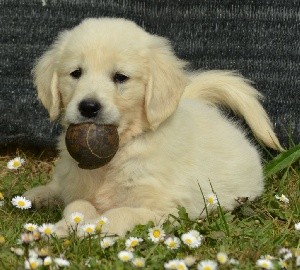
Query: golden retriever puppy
[173, 138]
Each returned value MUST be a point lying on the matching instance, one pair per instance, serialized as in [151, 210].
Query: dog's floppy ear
[46, 78]
[166, 83]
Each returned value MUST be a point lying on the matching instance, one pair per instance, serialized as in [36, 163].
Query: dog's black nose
[89, 108]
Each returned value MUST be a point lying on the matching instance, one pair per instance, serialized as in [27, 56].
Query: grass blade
[282, 161]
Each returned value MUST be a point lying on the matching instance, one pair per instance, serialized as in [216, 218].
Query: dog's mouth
[92, 145]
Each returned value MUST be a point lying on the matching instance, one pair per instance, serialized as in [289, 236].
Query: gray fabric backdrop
[258, 38]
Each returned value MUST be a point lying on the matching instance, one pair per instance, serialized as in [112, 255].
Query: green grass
[252, 230]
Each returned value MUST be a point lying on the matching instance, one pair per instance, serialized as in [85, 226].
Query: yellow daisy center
[222, 259]
[77, 219]
[36, 234]
[181, 267]
[47, 263]
[1, 196]
[134, 243]
[101, 222]
[16, 163]
[125, 258]
[66, 243]
[139, 264]
[210, 200]
[89, 230]
[207, 267]
[156, 233]
[188, 241]
[47, 231]
[33, 265]
[264, 265]
[21, 203]
[172, 244]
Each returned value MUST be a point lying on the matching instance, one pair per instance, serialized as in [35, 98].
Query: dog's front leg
[46, 195]
[120, 219]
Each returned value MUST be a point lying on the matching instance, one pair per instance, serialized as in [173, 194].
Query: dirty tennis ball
[92, 145]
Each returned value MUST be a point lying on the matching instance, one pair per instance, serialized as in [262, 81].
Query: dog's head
[110, 71]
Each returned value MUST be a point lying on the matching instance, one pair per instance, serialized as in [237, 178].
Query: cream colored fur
[172, 136]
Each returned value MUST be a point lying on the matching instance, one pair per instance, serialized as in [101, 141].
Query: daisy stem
[221, 212]
[26, 251]
[74, 230]
[205, 206]
[89, 239]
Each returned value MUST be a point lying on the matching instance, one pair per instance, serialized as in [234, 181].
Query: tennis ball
[92, 145]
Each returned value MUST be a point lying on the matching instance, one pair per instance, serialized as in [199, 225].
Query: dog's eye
[76, 74]
[120, 78]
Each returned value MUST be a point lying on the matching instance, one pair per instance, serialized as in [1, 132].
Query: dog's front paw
[41, 196]
[114, 230]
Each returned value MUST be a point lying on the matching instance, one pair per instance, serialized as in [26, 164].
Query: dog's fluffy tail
[229, 89]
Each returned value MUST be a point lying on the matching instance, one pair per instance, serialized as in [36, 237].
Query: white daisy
[61, 262]
[282, 198]
[21, 202]
[285, 253]
[1, 203]
[36, 235]
[132, 242]
[196, 234]
[27, 238]
[33, 253]
[283, 264]
[43, 252]
[138, 262]
[47, 261]
[15, 163]
[264, 263]
[297, 226]
[76, 218]
[103, 221]
[189, 260]
[88, 228]
[107, 242]
[30, 227]
[207, 265]
[172, 242]
[47, 229]
[234, 261]
[222, 257]
[211, 199]
[125, 255]
[17, 251]
[192, 239]
[176, 264]
[33, 263]
[156, 234]
[288, 256]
